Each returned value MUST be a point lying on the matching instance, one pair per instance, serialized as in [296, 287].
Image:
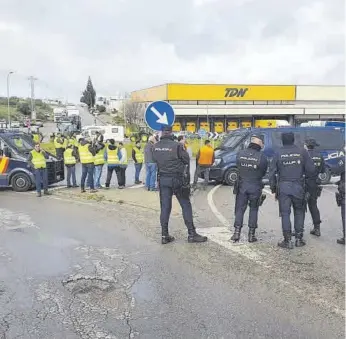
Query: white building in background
[112, 103]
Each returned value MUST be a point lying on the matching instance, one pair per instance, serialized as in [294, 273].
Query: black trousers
[168, 187]
[110, 174]
[122, 176]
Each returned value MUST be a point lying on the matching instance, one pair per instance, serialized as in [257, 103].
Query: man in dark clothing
[252, 166]
[172, 161]
[340, 198]
[312, 185]
[150, 165]
[286, 177]
[86, 155]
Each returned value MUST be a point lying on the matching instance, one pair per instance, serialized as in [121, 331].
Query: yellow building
[222, 107]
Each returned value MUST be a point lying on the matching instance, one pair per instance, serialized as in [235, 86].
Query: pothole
[87, 284]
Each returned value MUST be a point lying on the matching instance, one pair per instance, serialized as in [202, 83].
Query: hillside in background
[21, 108]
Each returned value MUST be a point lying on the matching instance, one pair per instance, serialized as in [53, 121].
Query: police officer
[286, 177]
[312, 185]
[172, 161]
[252, 166]
[340, 198]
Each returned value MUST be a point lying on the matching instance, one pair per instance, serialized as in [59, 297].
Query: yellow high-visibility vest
[69, 159]
[57, 144]
[65, 143]
[85, 155]
[36, 137]
[99, 158]
[38, 159]
[139, 155]
[112, 156]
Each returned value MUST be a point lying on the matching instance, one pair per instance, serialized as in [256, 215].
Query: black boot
[165, 239]
[286, 243]
[341, 241]
[316, 231]
[299, 240]
[252, 236]
[236, 235]
[193, 236]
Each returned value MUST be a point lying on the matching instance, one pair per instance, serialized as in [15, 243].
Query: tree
[24, 108]
[101, 108]
[89, 95]
[133, 111]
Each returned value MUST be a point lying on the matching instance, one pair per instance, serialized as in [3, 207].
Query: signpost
[159, 114]
[213, 136]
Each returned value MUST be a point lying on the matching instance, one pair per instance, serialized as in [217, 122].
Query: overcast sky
[131, 44]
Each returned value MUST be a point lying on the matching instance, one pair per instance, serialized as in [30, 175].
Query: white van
[109, 132]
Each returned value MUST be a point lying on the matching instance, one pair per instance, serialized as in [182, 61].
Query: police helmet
[258, 136]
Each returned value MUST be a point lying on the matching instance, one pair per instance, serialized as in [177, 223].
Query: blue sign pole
[159, 114]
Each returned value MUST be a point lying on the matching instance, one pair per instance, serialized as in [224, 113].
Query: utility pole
[8, 100]
[32, 86]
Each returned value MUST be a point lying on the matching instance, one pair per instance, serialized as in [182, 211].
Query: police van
[331, 140]
[14, 170]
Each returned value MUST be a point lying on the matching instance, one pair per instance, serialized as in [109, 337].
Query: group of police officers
[293, 178]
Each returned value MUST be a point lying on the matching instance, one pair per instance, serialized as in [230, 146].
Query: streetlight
[8, 98]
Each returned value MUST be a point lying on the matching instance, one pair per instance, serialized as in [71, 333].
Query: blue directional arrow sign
[159, 114]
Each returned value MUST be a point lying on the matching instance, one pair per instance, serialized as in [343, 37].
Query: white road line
[137, 186]
[212, 206]
[222, 235]
[267, 191]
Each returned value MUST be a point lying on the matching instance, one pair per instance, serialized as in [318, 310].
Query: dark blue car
[331, 140]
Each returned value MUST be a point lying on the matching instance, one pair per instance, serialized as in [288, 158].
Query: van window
[233, 140]
[299, 138]
[115, 130]
[327, 139]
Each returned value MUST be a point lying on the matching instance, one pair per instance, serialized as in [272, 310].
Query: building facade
[223, 107]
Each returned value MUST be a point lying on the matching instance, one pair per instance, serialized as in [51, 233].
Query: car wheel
[325, 177]
[20, 182]
[231, 176]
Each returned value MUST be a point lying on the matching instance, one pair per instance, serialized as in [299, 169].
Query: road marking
[137, 186]
[222, 235]
[213, 208]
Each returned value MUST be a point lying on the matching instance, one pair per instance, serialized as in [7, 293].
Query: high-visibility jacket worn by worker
[206, 155]
[38, 159]
[112, 156]
[139, 155]
[99, 158]
[69, 159]
[58, 144]
[85, 155]
[36, 138]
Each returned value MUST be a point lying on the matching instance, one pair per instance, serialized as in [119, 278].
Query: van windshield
[233, 140]
[23, 144]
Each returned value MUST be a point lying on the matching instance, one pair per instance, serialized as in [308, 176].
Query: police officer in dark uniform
[286, 178]
[252, 166]
[172, 162]
[340, 198]
[312, 185]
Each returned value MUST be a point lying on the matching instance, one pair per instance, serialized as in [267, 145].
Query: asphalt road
[85, 270]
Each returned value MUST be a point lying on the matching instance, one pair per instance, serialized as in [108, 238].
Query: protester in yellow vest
[70, 160]
[36, 137]
[204, 160]
[138, 158]
[99, 161]
[59, 146]
[37, 160]
[86, 155]
[112, 159]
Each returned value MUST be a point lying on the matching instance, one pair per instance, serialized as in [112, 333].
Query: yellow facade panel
[156, 93]
[187, 92]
